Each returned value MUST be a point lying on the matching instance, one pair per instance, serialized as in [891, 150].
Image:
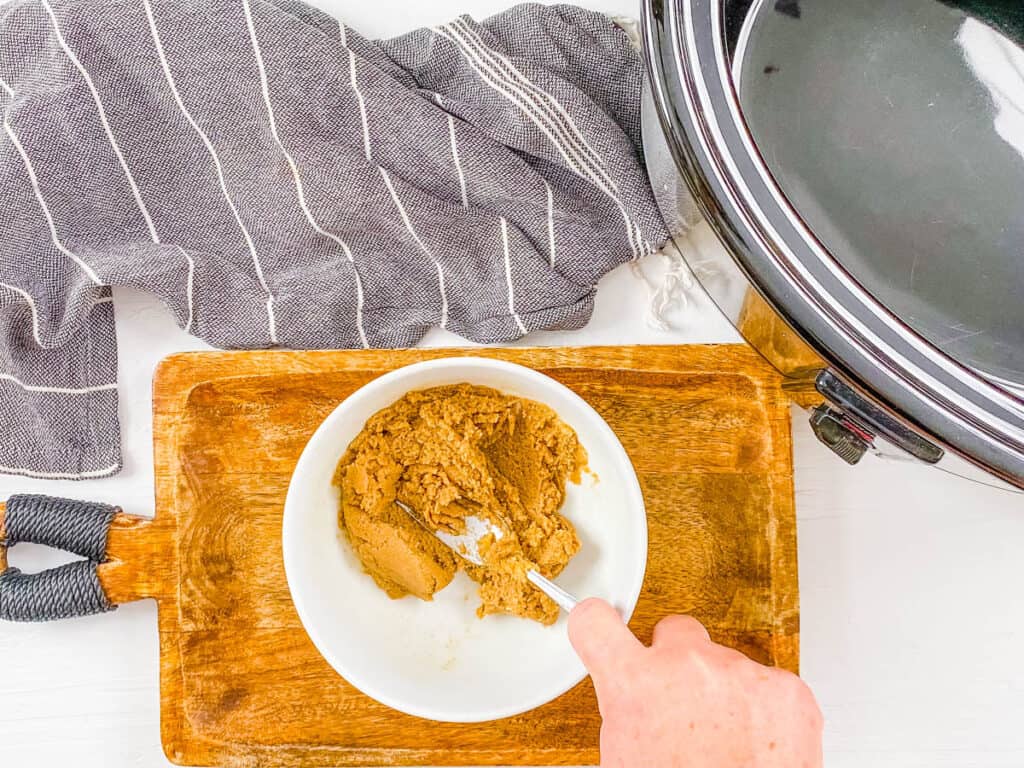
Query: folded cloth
[279, 180]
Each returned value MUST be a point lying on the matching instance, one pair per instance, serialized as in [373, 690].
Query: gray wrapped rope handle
[70, 590]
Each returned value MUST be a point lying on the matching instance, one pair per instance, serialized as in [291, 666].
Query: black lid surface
[897, 131]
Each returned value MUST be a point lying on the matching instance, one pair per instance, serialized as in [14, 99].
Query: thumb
[600, 636]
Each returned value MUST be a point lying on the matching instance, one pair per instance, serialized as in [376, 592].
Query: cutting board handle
[125, 558]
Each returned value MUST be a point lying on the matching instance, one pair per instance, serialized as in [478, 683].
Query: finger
[679, 632]
[600, 636]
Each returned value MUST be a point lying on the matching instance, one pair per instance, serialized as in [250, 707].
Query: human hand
[687, 701]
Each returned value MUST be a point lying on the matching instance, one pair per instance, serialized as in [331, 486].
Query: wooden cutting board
[707, 428]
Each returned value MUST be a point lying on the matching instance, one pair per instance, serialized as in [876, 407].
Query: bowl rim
[352, 402]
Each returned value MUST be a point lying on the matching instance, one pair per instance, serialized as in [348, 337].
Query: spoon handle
[566, 601]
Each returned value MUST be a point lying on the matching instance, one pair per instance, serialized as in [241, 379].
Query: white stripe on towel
[458, 162]
[455, 152]
[103, 120]
[362, 105]
[551, 223]
[508, 277]
[503, 67]
[516, 95]
[359, 295]
[645, 247]
[420, 243]
[559, 119]
[34, 181]
[299, 190]
[57, 390]
[529, 106]
[166, 66]
[60, 475]
[188, 287]
[33, 309]
[560, 115]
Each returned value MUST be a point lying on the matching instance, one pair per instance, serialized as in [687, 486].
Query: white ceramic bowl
[438, 660]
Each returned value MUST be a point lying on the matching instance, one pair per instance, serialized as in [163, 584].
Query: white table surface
[912, 582]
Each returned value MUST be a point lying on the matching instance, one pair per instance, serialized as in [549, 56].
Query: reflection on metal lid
[897, 130]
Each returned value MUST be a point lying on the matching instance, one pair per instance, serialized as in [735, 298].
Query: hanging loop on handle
[58, 593]
[70, 590]
[79, 527]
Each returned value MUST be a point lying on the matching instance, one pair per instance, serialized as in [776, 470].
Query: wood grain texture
[707, 428]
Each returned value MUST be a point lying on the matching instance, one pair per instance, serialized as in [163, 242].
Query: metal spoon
[465, 545]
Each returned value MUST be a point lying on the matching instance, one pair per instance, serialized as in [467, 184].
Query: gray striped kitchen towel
[279, 180]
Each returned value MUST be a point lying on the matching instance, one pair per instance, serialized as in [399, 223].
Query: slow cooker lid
[897, 132]
[863, 162]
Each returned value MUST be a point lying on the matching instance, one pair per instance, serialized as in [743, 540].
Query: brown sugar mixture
[450, 452]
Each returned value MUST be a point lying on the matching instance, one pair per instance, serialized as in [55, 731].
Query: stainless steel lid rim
[829, 303]
[873, 348]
